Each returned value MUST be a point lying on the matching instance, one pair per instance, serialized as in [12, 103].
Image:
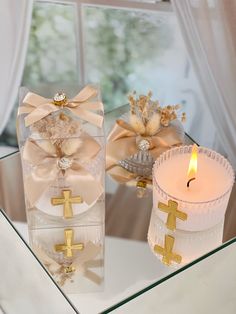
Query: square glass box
[63, 162]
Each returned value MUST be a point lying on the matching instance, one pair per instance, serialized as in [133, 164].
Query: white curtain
[209, 31]
[15, 20]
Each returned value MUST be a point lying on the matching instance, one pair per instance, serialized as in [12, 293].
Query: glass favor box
[62, 147]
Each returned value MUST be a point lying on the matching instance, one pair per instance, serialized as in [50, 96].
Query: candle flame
[192, 169]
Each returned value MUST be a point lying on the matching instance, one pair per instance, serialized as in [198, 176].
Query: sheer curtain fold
[209, 31]
[15, 21]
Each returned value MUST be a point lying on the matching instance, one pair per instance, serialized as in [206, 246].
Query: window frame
[142, 5]
[119, 4]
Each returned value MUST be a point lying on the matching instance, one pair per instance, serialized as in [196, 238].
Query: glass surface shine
[130, 266]
[25, 286]
[206, 285]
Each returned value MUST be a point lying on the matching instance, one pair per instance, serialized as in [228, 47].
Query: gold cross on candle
[68, 247]
[172, 210]
[166, 252]
[66, 200]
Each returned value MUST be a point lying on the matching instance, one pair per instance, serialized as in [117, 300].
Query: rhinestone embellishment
[144, 145]
[59, 99]
[140, 163]
[64, 163]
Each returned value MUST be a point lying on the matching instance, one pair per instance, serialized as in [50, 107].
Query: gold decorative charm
[68, 247]
[166, 252]
[66, 200]
[172, 210]
[69, 269]
[59, 99]
[141, 187]
[141, 184]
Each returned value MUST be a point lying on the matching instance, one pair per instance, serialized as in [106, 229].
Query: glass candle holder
[189, 215]
[189, 245]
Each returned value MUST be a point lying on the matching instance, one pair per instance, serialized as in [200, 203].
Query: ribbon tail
[166, 138]
[25, 109]
[34, 100]
[85, 185]
[93, 276]
[40, 113]
[46, 259]
[89, 253]
[95, 263]
[120, 130]
[120, 174]
[88, 116]
[114, 153]
[122, 135]
[86, 93]
[87, 259]
[35, 187]
[97, 105]
[43, 170]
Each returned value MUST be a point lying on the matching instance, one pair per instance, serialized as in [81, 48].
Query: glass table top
[25, 285]
[130, 266]
[205, 286]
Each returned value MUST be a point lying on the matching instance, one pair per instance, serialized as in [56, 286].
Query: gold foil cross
[66, 200]
[172, 210]
[166, 252]
[68, 247]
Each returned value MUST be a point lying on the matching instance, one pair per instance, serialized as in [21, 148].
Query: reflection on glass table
[130, 265]
[206, 286]
[25, 285]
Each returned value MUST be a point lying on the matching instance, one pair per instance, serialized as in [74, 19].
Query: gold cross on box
[68, 247]
[66, 200]
[172, 210]
[166, 252]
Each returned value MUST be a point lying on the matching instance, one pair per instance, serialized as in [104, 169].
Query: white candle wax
[205, 201]
[212, 181]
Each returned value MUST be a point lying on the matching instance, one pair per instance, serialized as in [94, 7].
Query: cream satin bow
[81, 264]
[45, 168]
[122, 143]
[37, 107]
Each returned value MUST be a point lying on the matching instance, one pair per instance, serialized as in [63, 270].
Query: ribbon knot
[82, 105]
[123, 135]
[47, 165]
[88, 258]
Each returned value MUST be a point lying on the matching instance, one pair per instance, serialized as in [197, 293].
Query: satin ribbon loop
[37, 107]
[85, 260]
[122, 143]
[45, 168]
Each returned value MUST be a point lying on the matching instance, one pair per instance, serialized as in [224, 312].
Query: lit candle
[191, 189]
[206, 198]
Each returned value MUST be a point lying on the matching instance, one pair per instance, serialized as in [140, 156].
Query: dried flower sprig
[56, 128]
[147, 116]
[144, 118]
[169, 113]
